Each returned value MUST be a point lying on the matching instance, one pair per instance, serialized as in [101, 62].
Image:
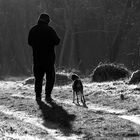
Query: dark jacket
[43, 38]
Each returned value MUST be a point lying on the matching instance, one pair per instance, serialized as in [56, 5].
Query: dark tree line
[91, 31]
[15, 20]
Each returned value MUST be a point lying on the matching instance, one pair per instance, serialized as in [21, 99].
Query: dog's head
[74, 76]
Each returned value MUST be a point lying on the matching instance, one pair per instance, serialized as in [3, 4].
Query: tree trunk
[69, 40]
[66, 36]
[72, 58]
[123, 29]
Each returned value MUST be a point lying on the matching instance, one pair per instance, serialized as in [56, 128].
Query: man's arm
[30, 38]
[56, 39]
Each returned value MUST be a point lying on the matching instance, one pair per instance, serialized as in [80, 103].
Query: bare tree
[123, 28]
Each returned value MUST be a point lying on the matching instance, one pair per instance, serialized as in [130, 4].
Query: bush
[61, 79]
[109, 72]
[135, 77]
[29, 81]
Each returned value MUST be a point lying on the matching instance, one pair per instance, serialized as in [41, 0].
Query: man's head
[44, 18]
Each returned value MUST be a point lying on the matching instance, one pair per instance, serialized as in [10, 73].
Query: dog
[77, 88]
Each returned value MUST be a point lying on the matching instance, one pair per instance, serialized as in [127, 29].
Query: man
[43, 39]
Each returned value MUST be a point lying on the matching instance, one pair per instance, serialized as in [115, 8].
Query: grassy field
[106, 117]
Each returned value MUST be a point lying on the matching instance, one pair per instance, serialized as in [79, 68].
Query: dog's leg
[77, 98]
[83, 99]
[84, 102]
[73, 96]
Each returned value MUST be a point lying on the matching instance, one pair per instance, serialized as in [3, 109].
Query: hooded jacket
[43, 38]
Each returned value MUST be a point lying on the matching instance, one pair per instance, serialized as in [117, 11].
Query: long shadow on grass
[55, 117]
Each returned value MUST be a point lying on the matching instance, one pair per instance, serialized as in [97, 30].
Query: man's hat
[44, 18]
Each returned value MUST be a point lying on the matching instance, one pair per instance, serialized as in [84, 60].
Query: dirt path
[132, 118]
[90, 106]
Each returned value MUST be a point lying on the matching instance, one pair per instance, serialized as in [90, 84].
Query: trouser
[39, 72]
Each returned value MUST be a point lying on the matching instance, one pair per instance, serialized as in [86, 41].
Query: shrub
[28, 81]
[61, 79]
[135, 77]
[109, 72]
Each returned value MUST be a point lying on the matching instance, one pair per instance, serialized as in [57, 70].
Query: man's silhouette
[43, 38]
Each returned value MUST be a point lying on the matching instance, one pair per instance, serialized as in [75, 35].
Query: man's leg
[38, 74]
[50, 79]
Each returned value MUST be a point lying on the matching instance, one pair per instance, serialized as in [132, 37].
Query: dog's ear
[70, 76]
